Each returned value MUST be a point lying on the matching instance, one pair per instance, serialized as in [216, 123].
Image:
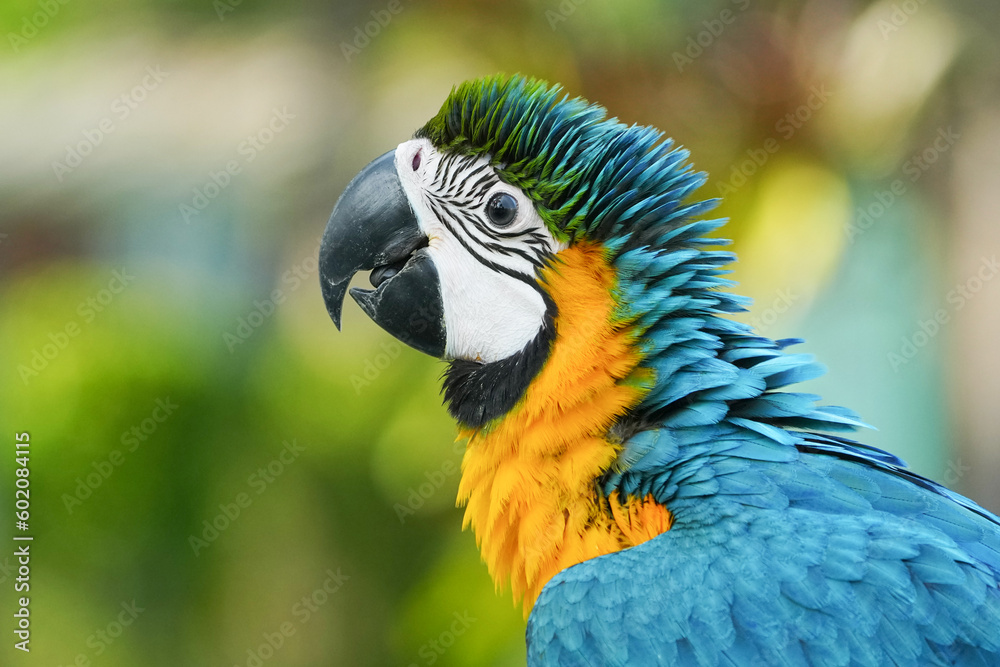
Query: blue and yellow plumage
[638, 471]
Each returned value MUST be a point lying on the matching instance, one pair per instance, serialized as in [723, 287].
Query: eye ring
[501, 209]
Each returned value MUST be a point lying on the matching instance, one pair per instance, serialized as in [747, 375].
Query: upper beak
[374, 228]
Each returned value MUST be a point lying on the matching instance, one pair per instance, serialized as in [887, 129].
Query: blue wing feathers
[822, 552]
[795, 591]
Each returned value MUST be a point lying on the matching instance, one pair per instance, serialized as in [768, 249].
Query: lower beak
[373, 227]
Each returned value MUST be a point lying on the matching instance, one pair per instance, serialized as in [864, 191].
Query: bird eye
[416, 161]
[501, 209]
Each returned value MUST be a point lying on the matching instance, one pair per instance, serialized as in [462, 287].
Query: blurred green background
[220, 478]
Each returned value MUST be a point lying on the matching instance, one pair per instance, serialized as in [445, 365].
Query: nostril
[416, 161]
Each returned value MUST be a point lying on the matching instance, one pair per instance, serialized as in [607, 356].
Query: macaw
[636, 468]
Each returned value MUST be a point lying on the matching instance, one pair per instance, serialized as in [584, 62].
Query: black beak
[373, 228]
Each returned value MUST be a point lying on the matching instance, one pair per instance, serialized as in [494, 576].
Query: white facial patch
[486, 241]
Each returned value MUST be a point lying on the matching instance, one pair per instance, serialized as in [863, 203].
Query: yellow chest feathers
[529, 483]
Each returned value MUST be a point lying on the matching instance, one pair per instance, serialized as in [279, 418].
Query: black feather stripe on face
[459, 189]
[457, 197]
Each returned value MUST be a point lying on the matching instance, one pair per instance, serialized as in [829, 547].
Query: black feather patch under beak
[374, 228]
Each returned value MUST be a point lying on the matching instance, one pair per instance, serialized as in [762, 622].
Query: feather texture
[672, 502]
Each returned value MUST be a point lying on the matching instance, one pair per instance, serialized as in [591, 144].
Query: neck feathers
[530, 480]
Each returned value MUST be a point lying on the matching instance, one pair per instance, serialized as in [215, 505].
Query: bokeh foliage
[222, 315]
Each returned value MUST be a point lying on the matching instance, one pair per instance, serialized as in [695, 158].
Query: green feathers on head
[589, 176]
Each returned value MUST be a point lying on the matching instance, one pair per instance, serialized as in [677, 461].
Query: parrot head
[452, 248]
[467, 227]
